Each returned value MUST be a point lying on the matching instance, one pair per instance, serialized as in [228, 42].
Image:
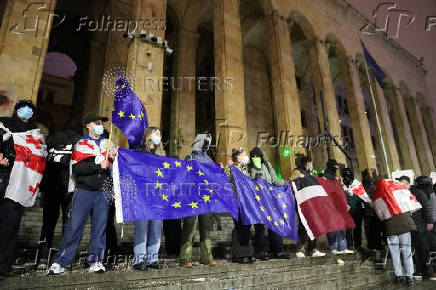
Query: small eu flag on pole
[129, 114]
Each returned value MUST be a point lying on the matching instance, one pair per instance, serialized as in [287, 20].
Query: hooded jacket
[15, 125]
[424, 215]
[266, 171]
[199, 149]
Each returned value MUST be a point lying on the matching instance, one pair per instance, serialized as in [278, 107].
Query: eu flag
[149, 186]
[129, 114]
[370, 61]
[263, 203]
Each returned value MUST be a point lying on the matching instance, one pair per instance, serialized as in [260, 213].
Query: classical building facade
[247, 71]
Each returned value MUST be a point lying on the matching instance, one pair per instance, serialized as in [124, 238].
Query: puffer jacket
[266, 172]
[424, 215]
[399, 224]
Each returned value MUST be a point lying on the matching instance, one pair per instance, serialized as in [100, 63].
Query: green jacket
[268, 173]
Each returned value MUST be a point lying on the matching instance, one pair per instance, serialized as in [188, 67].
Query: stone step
[308, 273]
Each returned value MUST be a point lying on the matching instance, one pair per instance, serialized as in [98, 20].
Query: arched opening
[259, 105]
[309, 84]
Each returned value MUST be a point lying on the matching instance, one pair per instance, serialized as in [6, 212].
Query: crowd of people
[76, 184]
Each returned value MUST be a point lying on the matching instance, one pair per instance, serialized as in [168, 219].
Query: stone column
[426, 113]
[285, 93]
[183, 119]
[362, 133]
[331, 110]
[423, 148]
[23, 46]
[231, 124]
[405, 139]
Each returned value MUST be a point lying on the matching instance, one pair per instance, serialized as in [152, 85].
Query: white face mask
[98, 130]
[245, 160]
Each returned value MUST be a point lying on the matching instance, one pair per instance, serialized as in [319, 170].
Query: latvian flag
[85, 148]
[318, 212]
[28, 168]
[390, 199]
[357, 189]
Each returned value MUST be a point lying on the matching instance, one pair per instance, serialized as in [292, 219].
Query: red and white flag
[390, 199]
[86, 148]
[29, 166]
[318, 210]
[357, 189]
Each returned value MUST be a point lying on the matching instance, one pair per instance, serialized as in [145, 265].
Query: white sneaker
[300, 255]
[56, 269]
[317, 254]
[336, 252]
[97, 268]
[346, 251]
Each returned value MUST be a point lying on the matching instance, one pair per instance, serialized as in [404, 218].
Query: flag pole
[376, 116]
[109, 143]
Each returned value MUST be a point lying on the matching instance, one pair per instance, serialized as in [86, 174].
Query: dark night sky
[413, 37]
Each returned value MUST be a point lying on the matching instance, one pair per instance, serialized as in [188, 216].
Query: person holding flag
[22, 163]
[91, 178]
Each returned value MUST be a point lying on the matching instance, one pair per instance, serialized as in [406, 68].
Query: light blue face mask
[156, 140]
[25, 113]
[98, 130]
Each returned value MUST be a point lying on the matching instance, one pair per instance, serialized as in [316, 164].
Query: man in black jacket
[92, 175]
[423, 219]
[54, 185]
[11, 211]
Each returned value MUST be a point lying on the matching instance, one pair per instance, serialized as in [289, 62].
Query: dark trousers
[241, 240]
[10, 218]
[266, 240]
[53, 203]
[374, 233]
[111, 232]
[354, 236]
[84, 203]
[304, 239]
[420, 244]
[173, 231]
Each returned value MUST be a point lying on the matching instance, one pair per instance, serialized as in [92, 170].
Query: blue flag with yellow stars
[129, 114]
[154, 187]
[263, 203]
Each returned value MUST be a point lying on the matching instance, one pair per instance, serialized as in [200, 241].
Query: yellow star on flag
[166, 165]
[284, 206]
[140, 117]
[176, 205]
[200, 173]
[164, 197]
[262, 209]
[117, 87]
[210, 190]
[132, 116]
[206, 198]
[276, 224]
[268, 218]
[270, 188]
[121, 114]
[257, 188]
[282, 222]
[207, 182]
[159, 173]
[193, 204]
[279, 195]
[158, 185]
[258, 198]
[189, 168]
[261, 186]
[123, 86]
[178, 164]
[285, 215]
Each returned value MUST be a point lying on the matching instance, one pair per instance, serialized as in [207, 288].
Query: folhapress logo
[389, 19]
[38, 19]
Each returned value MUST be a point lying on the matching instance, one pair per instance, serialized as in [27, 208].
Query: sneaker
[186, 264]
[56, 269]
[346, 251]
[156, 266]
[42, 265]
[317, 254]
[97, 267]
[336, 252]
[300, 255]
[140, 266]
[410, 281]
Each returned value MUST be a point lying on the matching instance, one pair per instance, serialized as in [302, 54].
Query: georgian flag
[86, 148]
[317, 209]
[390, 199]
[357, 189]
[29, 165]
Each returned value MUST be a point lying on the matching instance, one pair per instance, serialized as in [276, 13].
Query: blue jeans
[400, 246]
[337, 240]
[147, 241]
[84, 203]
